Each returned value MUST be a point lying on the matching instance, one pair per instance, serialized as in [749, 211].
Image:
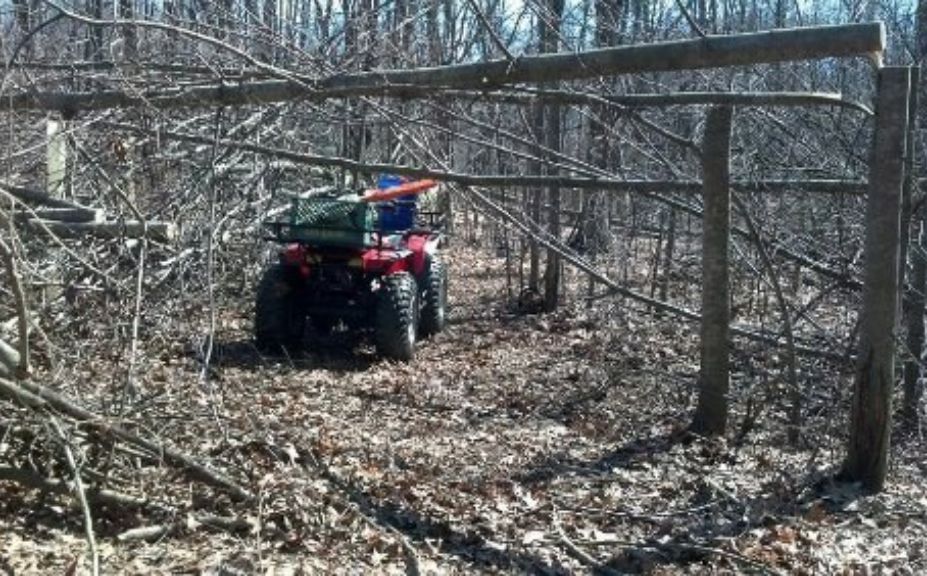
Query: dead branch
[81, 497]
[71, 215]
[852, 187]
[231, 524]
[583, 556]
[271, 91]
[104, 497]
[38, 396]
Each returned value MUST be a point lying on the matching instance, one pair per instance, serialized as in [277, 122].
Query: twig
[583, 556]
[692, 23]
[210, 275]
[791, 362]
[82, 498]
[659, 547]
[484, 21]
[297, 79]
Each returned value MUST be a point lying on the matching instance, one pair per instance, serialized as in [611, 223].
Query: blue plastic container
[388, 181]
[398, 214]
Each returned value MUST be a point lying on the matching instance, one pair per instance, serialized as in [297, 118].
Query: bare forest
[652, 302]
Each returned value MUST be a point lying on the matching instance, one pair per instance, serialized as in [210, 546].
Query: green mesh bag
[342, 221]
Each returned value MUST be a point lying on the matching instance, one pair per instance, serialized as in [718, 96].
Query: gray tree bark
[714, 372]
[870, 429]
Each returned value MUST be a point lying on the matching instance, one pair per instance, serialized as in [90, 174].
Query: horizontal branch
[710, 52]
[271, 91]
[853, 187]
[526, 96]
[126, 65]
[729, 99]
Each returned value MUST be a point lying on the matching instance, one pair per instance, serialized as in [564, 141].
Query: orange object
[383, 194]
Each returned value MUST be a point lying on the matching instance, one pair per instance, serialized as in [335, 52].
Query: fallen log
[33, 196]
[70, 215]
[692, 54]
[157, 231]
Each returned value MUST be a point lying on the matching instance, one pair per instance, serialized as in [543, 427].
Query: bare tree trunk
[714, 373]
[534, 262]
[870, 430]
[550, 35]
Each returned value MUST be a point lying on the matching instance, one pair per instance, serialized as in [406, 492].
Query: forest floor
[512, 443]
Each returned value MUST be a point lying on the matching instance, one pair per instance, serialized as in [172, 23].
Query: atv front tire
[396, 315]
[280, 315]
[434, 310]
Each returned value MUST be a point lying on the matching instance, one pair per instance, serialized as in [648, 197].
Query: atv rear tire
[434, 310]
[280, 314]
[397, 311]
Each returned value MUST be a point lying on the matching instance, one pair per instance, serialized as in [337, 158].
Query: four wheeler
[369, 262]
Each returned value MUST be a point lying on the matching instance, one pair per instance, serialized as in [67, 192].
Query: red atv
[367, 262]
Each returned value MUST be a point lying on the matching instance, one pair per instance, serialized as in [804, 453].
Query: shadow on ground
[710, 515]
[341, 352]
[467, 545]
